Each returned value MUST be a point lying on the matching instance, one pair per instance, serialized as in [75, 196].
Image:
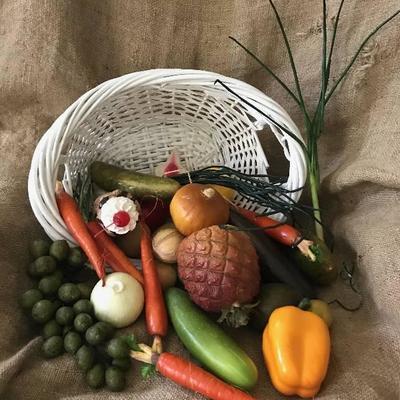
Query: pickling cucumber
[208, 343]
[110, 177]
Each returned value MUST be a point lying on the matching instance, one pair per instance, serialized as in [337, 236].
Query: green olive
[39, 248]
[96, 335]
[117, 348]
[69, 293]
[72, 342]
[42, 266]
[107, 328]
[50, 284]
[83, 306]
[76, 258]
[85, 290]
[43, 311]
[56, 304]
[85, 357]
[65, 315]
[66, 330]
[51, 328]
[83, 322]
[30, 298]
[59, 250]
[95, 377]
[122, 363]
[53, 347]
[115, 379]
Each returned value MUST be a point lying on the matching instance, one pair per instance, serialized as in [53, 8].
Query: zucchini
[110, 178]
[208, 343]
[323, 270]
[273, 262]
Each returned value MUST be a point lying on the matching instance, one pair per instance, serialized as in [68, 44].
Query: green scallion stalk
[314, 126]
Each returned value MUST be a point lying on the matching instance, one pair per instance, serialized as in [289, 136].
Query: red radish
[154, 212]
[76, 225]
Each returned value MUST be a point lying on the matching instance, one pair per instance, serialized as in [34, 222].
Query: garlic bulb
[165, 243]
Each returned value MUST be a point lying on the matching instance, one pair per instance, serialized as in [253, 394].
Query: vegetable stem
[314, 185]
[292, 63]
[314, 127]
[333, 40]
[344, 73]
[268, 69]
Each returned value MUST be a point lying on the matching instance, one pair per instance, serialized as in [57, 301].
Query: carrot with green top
[189, 375]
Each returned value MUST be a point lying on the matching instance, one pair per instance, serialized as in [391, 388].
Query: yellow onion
[197, 206]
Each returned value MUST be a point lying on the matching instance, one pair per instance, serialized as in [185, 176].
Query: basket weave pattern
[135, 121]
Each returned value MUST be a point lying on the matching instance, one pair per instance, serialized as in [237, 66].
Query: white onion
[120, 301]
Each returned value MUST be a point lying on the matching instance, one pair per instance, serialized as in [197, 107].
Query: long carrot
[190, 376]
[76, 225]
[282, 233]
[114, 256]
[155, 310]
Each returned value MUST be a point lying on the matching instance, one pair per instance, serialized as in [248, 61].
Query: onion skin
[196, 206]
[165, 243]
[120, 301]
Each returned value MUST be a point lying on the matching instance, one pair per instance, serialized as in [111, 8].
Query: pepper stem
[305, 304]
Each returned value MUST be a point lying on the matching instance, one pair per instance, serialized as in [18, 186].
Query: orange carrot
[282, 233]
[156, 312]
[192, 377]
[77, 228]
[114, 256]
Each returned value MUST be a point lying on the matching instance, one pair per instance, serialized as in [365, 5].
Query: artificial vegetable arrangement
[228, 263]
[235, 266]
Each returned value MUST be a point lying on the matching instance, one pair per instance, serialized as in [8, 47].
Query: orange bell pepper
[296, 347]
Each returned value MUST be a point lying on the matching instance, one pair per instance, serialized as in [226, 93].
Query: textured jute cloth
[52, 51]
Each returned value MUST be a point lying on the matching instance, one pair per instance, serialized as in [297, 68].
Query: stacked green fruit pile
[61, 305]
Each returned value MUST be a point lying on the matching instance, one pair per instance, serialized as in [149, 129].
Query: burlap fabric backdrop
[53, 51]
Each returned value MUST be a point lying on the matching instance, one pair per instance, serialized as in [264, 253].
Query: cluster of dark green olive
[62, 307]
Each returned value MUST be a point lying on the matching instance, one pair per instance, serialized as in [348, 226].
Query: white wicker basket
[136, 121]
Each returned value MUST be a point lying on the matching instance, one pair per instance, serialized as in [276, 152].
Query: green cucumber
[110, 178]
[208, 343]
